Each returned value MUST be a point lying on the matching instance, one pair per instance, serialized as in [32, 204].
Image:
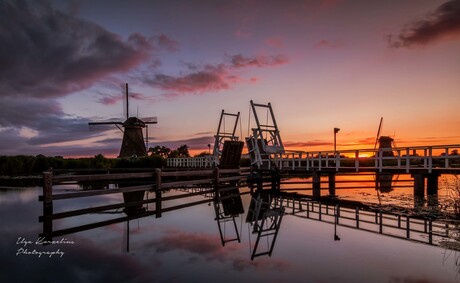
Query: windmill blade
[126, 100]
[105, 123]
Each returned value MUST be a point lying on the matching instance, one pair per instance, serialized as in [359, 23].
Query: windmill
[133, 144]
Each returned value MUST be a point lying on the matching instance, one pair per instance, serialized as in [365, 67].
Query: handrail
[403, 158]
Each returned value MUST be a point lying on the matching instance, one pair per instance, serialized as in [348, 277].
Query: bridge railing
[404, 158]
[191, 162]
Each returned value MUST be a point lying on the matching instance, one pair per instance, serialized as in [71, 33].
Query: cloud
[168, 43]
[49, 125]
[240, 61]
[324, 43]
[275, 42]
[444, 23]
[207, 78]
[210, 78]
[307, 143]
[49, 53]
[210, 248]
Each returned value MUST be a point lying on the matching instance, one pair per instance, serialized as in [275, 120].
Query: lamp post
[336, 130]
[209, 148]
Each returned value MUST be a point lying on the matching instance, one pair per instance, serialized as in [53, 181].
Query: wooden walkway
[158, 182]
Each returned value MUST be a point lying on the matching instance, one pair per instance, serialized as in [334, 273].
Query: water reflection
[265, 214]
[173, 247]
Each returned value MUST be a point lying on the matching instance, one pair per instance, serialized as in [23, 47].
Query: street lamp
[209, 148]
[336, 130]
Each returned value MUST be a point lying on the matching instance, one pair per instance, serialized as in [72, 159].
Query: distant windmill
[133, 139]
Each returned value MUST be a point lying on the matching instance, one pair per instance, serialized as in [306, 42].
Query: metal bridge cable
[224, 124]
[266, 123]
[249, 119]
[241, 129]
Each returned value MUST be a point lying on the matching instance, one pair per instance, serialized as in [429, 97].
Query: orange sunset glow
[321, 64]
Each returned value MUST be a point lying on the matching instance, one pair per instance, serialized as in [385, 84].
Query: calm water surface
[185, 246]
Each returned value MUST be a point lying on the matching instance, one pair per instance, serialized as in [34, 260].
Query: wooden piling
[357, 217]
[331, 180]
[157, 192]
[316, 184]
[419, 185]
[432, 184]
[47, 205]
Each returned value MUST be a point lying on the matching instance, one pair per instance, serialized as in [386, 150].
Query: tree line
[21, 165]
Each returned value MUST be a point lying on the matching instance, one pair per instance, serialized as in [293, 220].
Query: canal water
[185, 246]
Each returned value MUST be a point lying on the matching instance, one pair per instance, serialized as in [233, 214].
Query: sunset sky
[321, 64]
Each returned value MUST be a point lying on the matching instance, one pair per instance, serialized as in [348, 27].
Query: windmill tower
[133, 138]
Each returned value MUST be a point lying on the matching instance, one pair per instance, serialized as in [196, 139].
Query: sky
[321, 65]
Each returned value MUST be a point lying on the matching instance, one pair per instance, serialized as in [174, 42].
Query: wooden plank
[91, 226]
[187, 195]
[99, 192]
[186, 173]
[234, 178]
[185, 183]
[100, 177]
[95, 209]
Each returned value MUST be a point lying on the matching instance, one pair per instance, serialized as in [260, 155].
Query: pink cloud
[324, 43]
[240, 61]
[213, 77]
[210, 248]
[275, 42]
[168, 43]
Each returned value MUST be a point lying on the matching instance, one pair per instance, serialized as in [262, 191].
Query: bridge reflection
[265, 212]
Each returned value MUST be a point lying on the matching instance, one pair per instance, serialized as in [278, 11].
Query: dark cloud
[28, 125]
[209, 77]
[240, 61]
[49, 53]
[168, 43]
[442, 23]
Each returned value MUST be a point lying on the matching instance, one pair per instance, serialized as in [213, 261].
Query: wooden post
[316, 184]
[47, 205]
[430, 231]
[337, 212]
[380, 222]
[332, 184]
[357, 217]
[319, 211]
[432, 184]
[407, 227]
[419, 185]
[158, 192]
[308, 209]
